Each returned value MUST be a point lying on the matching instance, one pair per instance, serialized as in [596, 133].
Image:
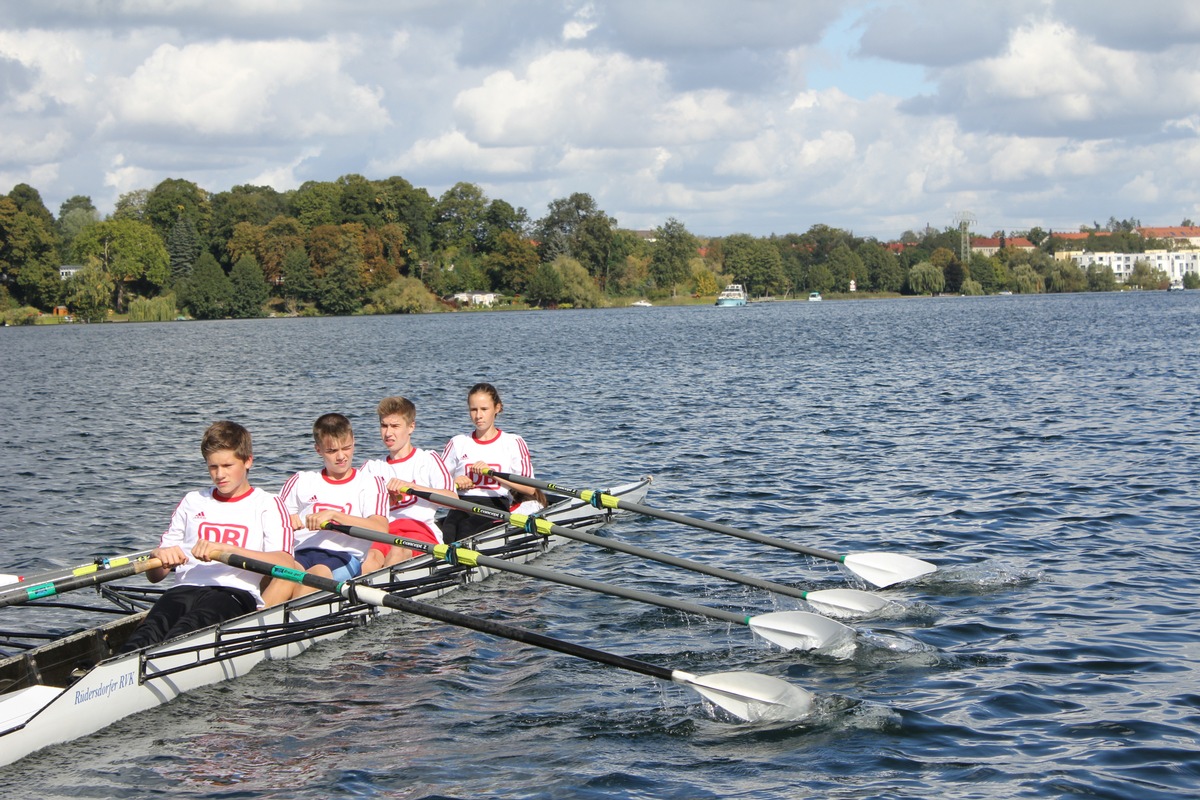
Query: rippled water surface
[1042, 451]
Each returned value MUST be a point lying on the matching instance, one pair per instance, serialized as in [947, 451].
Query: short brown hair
[397, 405]
[226, 435]
[331, 426]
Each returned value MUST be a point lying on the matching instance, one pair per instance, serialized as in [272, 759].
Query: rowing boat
[75, 686]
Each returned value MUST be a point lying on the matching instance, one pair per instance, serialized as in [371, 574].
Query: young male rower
[406, 467]
[337, 493]
[228, 517]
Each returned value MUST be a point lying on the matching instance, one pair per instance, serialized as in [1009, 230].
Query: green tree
[1066, 276]
[131, 205]
[576, 227]
[845, 266]
[1147, 276]
[819, 279]
[250, 292]
[207, 292]
[674, 248]
[340, 290]
[403, 296]
[1191, 280]
[511, 263]
[545, 286]
[89, 292]
[578, 287]
[29, 201]
[1027, 280]
[460, 219]
[884, 273]
[299, 283]
[1100, 278]
[183, 248]
[971, 287]
[925, 278]
[257, 205]
[28, 256]
[175, 198]
[131, 251]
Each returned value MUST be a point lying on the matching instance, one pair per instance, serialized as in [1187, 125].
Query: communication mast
[965, 219]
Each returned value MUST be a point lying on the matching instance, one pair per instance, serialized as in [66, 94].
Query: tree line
[385, 246]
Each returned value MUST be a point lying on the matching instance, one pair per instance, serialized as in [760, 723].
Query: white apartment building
[1175, 263]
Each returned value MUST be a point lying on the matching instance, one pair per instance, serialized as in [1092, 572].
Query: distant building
[1175, 263]
[989, 247]
[1180, 234]
[67, 271]
[475, 298]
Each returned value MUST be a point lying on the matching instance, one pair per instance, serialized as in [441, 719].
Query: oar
[879, 569]
[747, 695]
[844, 600]
[791, 630]
[85, 569]
[37, 591]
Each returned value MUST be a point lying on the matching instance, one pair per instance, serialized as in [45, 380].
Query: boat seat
[16, 708]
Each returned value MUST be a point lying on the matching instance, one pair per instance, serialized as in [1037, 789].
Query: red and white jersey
[358, 494]
[420, 468]
[255, 521]
[505, 452]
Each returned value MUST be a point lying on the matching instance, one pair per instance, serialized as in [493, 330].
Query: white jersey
[423, 468]
[505, 452]
[359, 495]
[255, 521]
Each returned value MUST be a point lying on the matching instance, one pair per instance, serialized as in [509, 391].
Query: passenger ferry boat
[733, 295]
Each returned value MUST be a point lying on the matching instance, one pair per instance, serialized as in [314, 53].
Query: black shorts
[183, 609]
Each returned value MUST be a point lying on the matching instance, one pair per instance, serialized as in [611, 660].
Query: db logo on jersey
[224, 534]
[484, 481]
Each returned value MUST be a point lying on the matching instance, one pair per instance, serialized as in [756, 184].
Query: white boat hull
[46, 713]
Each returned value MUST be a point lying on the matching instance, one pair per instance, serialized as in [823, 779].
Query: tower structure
[964, 220]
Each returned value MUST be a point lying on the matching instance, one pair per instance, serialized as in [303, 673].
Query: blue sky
[759, 116]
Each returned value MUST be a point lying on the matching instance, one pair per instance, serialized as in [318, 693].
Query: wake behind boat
[75, 686]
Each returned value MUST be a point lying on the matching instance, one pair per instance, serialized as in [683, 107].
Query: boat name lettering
[84, 695]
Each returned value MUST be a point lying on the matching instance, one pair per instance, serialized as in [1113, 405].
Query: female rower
[466, 455]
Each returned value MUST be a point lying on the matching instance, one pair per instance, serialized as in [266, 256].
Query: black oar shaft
[378, 597]
[609, 501]
[38, 591]
[462, 555]
[546, 527]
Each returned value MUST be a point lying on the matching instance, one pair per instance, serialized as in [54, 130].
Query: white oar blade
[851, 601]
[750, 696]
[885, 569]
[800, 630]
[6, 579]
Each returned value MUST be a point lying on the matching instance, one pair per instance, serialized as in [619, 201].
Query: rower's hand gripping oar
[37, 591]
[879, 569]
[840, 600]
[791, 630]
[747, 695]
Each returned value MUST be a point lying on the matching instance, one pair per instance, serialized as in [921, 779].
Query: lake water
[1041, 450]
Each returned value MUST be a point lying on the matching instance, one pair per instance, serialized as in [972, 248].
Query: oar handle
[544, 527]
[469, 557]
[39, 591]
[602, 500]
[378, 597]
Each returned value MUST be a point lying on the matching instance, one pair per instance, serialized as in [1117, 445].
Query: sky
[756, 116]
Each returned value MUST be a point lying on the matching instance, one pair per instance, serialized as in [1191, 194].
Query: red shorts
[409, 529]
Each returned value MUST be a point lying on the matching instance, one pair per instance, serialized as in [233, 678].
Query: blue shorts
[344, 566]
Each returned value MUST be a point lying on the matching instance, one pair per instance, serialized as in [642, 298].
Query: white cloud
[287, 89]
